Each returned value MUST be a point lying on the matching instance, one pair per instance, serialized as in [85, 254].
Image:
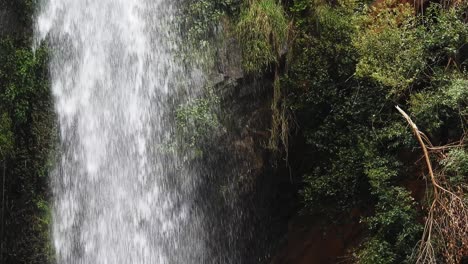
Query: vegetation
[351, 66]
[347, 65]
[202, 19]
[262, 29]
[340, 68]
[198, 124]
[27, 135]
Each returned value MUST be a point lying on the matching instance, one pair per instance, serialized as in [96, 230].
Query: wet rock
[10, 24]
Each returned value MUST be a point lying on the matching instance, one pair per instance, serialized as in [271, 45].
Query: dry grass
[445, 233]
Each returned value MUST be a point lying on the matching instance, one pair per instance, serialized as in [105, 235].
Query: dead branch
[446, 228]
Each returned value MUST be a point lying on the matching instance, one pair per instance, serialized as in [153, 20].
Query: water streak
[120, 197]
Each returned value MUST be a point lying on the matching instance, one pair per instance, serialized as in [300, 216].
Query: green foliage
[400, 50]
[18, 76]
[6, 136]
[322, 61]
[201, 19]
[27, 136]
[455, 94]
[349, 67]
[376, 251]
[390, 48]
[322, 58]
[262, 31]
[424, 106]
[446, 33]
[379, 172]
[456, 166]
[395, 221]
[442, 104]
[336, 187]
[197, 122]
[204, 26]
[42, 223]
[395, 225]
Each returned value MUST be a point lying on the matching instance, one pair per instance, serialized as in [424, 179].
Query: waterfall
[119, 195]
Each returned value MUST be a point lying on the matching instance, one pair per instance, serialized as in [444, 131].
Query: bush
[390, 48]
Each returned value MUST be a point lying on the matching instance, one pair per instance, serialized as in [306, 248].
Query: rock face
[245, 113]
[9, 20]
[249, 181]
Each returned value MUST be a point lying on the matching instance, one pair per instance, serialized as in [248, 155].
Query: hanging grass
[262, 30]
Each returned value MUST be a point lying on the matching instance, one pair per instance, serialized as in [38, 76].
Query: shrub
[390, 48]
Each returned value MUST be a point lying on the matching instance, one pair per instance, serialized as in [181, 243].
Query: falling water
[119, 195]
